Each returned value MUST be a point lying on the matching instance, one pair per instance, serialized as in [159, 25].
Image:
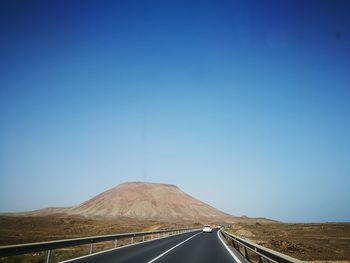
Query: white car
[207, 229]
[218, 227]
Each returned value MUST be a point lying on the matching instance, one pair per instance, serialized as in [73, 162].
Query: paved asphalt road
[189, 247]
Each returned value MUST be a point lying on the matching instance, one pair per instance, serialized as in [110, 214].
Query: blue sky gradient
[242, 104]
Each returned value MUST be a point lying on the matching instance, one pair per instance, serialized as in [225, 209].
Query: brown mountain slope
[148, 201]
[144, 201]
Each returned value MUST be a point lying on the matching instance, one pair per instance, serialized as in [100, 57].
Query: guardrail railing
[263, 254]
[49, 246]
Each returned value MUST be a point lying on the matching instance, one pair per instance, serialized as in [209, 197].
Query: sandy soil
[311, 242]
[17, 230]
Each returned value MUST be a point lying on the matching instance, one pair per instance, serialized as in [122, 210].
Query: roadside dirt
[324, 242]
[18, 230]
[319, 243]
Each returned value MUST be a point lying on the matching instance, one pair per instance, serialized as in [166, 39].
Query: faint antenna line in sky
[144, 143]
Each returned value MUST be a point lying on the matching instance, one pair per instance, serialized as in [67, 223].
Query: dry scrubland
[310, 242]
[17, 230]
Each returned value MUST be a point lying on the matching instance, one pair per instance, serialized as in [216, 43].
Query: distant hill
[145, 201]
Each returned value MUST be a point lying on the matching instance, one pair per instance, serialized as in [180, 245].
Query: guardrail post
[90, 249]
[48, 254]
[238, 248]
[236, 244]
[143, 238]
[115, 243]
[246, 254]
[261, 259]
[132, 240]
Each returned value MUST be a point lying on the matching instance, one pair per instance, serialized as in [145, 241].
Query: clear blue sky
[244, 105]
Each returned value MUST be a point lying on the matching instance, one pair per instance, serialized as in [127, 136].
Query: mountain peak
[138, 183]
[145, 200]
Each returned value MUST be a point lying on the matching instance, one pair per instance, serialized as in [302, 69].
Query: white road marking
[173, 248]
[228, 249]
[117, 248]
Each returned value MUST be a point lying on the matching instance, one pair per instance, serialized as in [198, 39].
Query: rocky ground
[18, 230]
[326, 242]
[320, 242]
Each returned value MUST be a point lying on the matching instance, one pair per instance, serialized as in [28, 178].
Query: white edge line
[228, 249]
[116, 248]
[172, 248]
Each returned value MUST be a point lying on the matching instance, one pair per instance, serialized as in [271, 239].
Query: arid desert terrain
[138, 206]
[309, 242]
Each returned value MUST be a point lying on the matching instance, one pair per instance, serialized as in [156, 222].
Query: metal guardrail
[261, 252]
[13, 250]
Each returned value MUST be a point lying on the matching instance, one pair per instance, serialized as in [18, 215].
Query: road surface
[188, 247]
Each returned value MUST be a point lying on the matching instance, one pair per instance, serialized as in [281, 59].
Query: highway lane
[187, 247]
[203, 248]
[140, 252]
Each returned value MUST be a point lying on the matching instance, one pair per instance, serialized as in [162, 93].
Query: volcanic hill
[145, 201]
[148, 201]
